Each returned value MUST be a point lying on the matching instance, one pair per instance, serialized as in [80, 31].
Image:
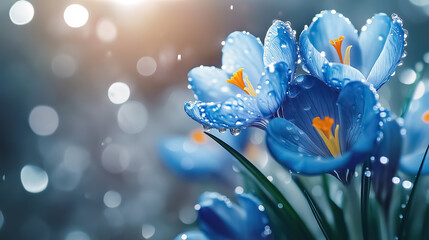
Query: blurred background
[89, 87]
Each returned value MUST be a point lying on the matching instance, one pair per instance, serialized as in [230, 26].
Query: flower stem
[352, 207]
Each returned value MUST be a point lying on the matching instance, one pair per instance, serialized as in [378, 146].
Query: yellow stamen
[347, 55]
[425, 117]
[323, 127]
[337, 45]
[237, 80]
[198, 136]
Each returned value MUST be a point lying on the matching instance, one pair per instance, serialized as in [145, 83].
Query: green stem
[352, 206]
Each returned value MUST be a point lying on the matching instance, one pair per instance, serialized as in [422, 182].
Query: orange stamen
[337, 45]
[198, 136]
[324, 125]
[237, 80]
[425, 117]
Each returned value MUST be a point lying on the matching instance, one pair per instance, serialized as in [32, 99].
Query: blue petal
[235, 112]
[312, 60]
[256, 217]
[327, 26]
[337, 75]
[218, 217]
[243, 50]
[386, 161]
[417, 135]
[192, 235]
[272, 88]
[290, 146]
[209, 84]
[192, 159]
[372, 40]
[390, 56]
[280, 45]
[309, 97]
[359, 118]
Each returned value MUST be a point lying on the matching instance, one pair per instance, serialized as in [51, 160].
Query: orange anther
[337, 45]
[324, 125]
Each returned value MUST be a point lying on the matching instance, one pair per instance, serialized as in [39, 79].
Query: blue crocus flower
[198, 156]
[323, 130]
[416, 139]
[252, 83]
[332, 50]
[221, 219]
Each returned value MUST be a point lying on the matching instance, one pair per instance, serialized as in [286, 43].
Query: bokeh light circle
[408, 76]
[148, 230]
[118, 92]
[76, 15]
[106, 30]
[21, 12]
[132, 117]
[146, 66]
[34, 179]
[1, 219]
[63, 66]
[77, 235]
[112, 199]
[43, 120]
[115, 158]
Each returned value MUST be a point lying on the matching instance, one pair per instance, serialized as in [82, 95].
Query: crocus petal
[209, 84]
[308, 98]
[337, 75]
[192, 235]
[386, 161]
[327, 26]
[272, 88]
[243, 50]
[256, 217]
[359, 118]
[289, 146]
[235, 112]
[372, 40]
[312, 60]
[390, 56]
[416, 138]
[280, 45]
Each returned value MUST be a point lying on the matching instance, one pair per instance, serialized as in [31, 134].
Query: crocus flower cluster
[326, 121]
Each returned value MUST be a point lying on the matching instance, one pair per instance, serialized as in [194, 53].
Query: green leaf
[320, 217]
[293, 225]
[365, 189]
[402, 233]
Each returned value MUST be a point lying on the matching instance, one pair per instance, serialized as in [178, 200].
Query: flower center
[323, 127]
[237, 80]
[336, 43]
[198, 136]
[425, 117]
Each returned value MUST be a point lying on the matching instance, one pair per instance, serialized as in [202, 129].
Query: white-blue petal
[329, 25]
[235, 112]
[312, 60]
[209, 84]
[372, 40]
[390, 56]
[243, 50]
[337, 75]
[280, 45]
[272, 88]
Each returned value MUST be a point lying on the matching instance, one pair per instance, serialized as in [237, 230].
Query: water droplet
[384, 160]
[367, 173]
[235, 131]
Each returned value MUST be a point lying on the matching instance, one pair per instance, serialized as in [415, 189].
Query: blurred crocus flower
[323, 130]
[198, 156]
[221, 219]
[252, 83]
[332, 50]
[416, 139]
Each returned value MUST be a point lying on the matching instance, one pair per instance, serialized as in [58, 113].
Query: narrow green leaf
[337, 212]
[318, 215]
[365, 189]
[292, 221]
[402, 233]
